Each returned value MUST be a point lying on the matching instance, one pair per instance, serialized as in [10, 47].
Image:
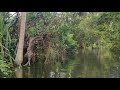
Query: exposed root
[42, 40]
[28, 63]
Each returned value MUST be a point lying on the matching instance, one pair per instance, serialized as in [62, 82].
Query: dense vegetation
[53, 36]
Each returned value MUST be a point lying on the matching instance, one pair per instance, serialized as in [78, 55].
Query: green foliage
[99, 29]
[59, 25]
[68, 30]
[111, 21]
[5, 45]
[71, 44]
[5, 67]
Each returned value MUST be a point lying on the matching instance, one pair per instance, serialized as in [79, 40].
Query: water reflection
[19, 72]
[98, 63]
[52, 74]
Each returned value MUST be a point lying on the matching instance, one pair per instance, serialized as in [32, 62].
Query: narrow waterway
[98, 63]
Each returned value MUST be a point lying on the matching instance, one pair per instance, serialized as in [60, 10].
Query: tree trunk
[19, 55]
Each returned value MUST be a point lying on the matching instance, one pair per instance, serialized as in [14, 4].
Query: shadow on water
[97, 63]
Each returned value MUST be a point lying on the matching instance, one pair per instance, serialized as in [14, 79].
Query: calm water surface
[87, 64]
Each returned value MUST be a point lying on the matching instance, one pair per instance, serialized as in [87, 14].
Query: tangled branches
[42, 40]
[50, 52]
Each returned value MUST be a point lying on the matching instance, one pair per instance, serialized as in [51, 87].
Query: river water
[97, 63]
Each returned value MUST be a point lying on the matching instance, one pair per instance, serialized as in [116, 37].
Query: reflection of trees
[90, 65]
[47, 70]
[69, 74]
[97, 63]
[38, 70]
[57, 73]
[19, 72]
[111, 64]
[29, 74]
[114, 68]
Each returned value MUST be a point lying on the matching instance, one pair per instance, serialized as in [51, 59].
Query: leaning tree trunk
[19, 55]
